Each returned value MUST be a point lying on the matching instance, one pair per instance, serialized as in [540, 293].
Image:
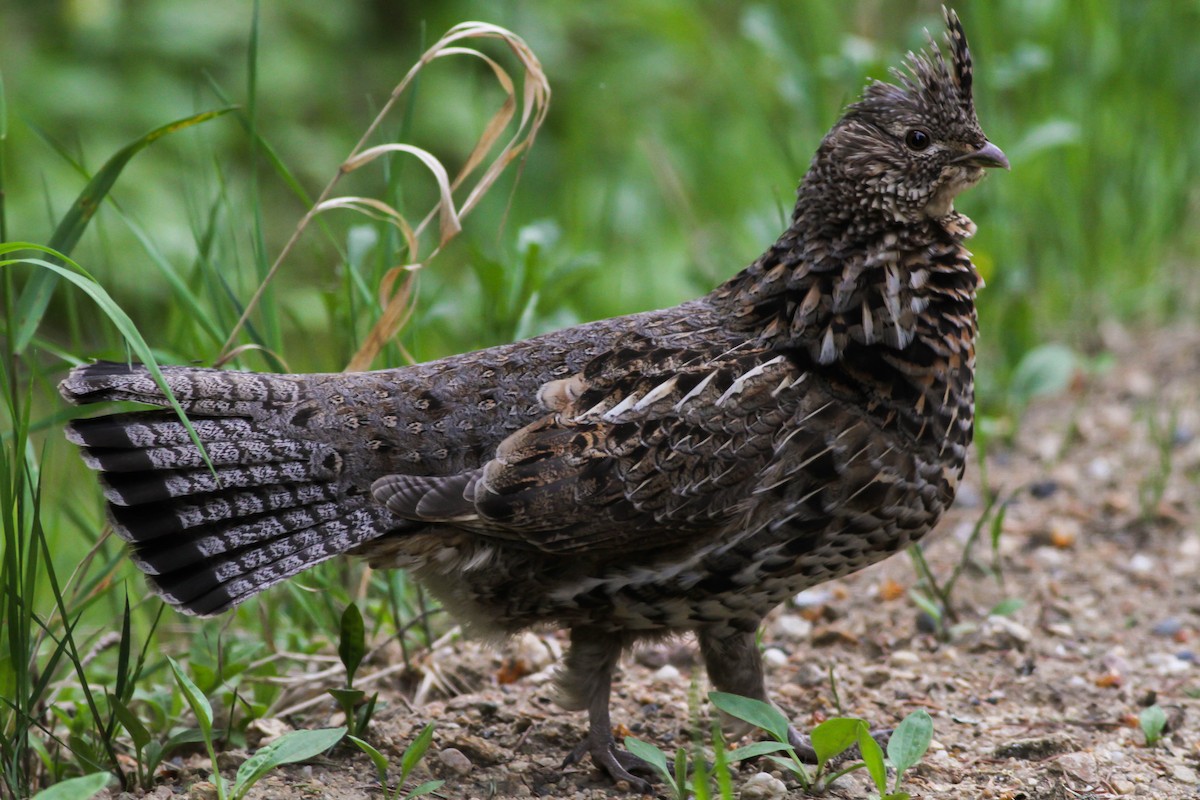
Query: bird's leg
[735, 666]
[585, 681]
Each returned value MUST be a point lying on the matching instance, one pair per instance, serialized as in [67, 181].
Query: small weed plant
[830, 741]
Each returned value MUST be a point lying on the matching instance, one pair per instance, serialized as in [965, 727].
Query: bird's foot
[804, 749]
[620, 765]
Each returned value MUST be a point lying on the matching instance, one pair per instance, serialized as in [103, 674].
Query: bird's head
[906, 149]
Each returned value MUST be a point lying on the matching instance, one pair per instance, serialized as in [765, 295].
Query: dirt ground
[1101, 540]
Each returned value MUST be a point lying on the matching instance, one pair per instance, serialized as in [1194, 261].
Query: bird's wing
[642, 460]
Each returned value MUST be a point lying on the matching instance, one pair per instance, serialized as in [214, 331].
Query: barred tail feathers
[270, 506]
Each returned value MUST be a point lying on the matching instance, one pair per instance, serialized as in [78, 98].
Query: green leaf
[1007, 607]
[424, 789]
[415, 751]
[352, 642]
[681, 773]
[754, 750]
[129, 721]
[756, 712]
[651, 755]
[1153, 721]
[909, 741]
[928, 606]
[31, 306]
[347, 698]
[1043, 370]
[377, 758]
[835, 736]
[287, 749]
[872, 756]
[76, 788]
[196, 699]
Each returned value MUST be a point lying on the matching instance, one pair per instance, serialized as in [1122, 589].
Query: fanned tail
[272, 504]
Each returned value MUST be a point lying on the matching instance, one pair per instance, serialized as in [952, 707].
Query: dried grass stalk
[396, 295]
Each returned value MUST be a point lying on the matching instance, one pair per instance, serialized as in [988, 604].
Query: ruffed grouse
[679, 470]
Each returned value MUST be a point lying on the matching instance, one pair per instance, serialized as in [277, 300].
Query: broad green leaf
[377, 758]
[287, 749]
[910, 740]
[756, 712]
[31, 306]
[754, 750]
[651, 755]
[130, 722]
[872, 756]
[834, 736]
[76, 788]
[415, 751]
[1153, 720]
[352, 642]
[1007, 607]
[1043, 370]
[196, 699]
[424, 789]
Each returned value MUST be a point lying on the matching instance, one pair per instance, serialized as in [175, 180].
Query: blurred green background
[676, 136]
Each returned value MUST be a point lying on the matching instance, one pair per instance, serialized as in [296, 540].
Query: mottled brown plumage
[681, 470]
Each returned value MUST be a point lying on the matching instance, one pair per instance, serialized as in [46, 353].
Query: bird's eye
[917, 139]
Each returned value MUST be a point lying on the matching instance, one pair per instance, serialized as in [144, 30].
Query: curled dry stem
[396, 295]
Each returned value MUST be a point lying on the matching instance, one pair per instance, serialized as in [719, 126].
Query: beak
[987, 156]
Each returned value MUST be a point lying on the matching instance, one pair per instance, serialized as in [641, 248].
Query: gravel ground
[1101, 540]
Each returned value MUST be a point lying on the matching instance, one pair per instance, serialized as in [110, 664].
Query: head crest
[928, 75]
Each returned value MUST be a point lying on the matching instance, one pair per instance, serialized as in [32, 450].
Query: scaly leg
[585, 681]
[735, 666]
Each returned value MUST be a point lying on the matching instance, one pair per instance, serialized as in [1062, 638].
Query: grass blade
[31, 305]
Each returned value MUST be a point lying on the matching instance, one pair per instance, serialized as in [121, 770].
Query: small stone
[204, 790]
[773, 657]
[763, 786]
[791, 627]
[1080, 765]
[455, 760]
[1141, 564]
[667, 673]
[904, 658]
[1099, 469]
[1184, 774]
[1122, 786]
[811, 675]
[876, 676]
[1167, 627]
[1037, 748]
[1043, 489]
[517, 767]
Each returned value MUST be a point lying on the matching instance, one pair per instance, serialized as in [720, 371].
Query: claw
[620, 765]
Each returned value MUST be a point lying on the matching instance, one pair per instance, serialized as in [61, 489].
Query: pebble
[455, 760]
[1168, 663]
[1142, 564]
[773, 657]
[1122, 786]
[791, 627]
[1167, 627]
[204, 790]
[667, 673]
[1037, 748]
[1043, 489]
[1184, 774]
[1099, 469]
[763, 786]
[904, 658]
[811, 675]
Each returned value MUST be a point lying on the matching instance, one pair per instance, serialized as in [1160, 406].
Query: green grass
[676, 137]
